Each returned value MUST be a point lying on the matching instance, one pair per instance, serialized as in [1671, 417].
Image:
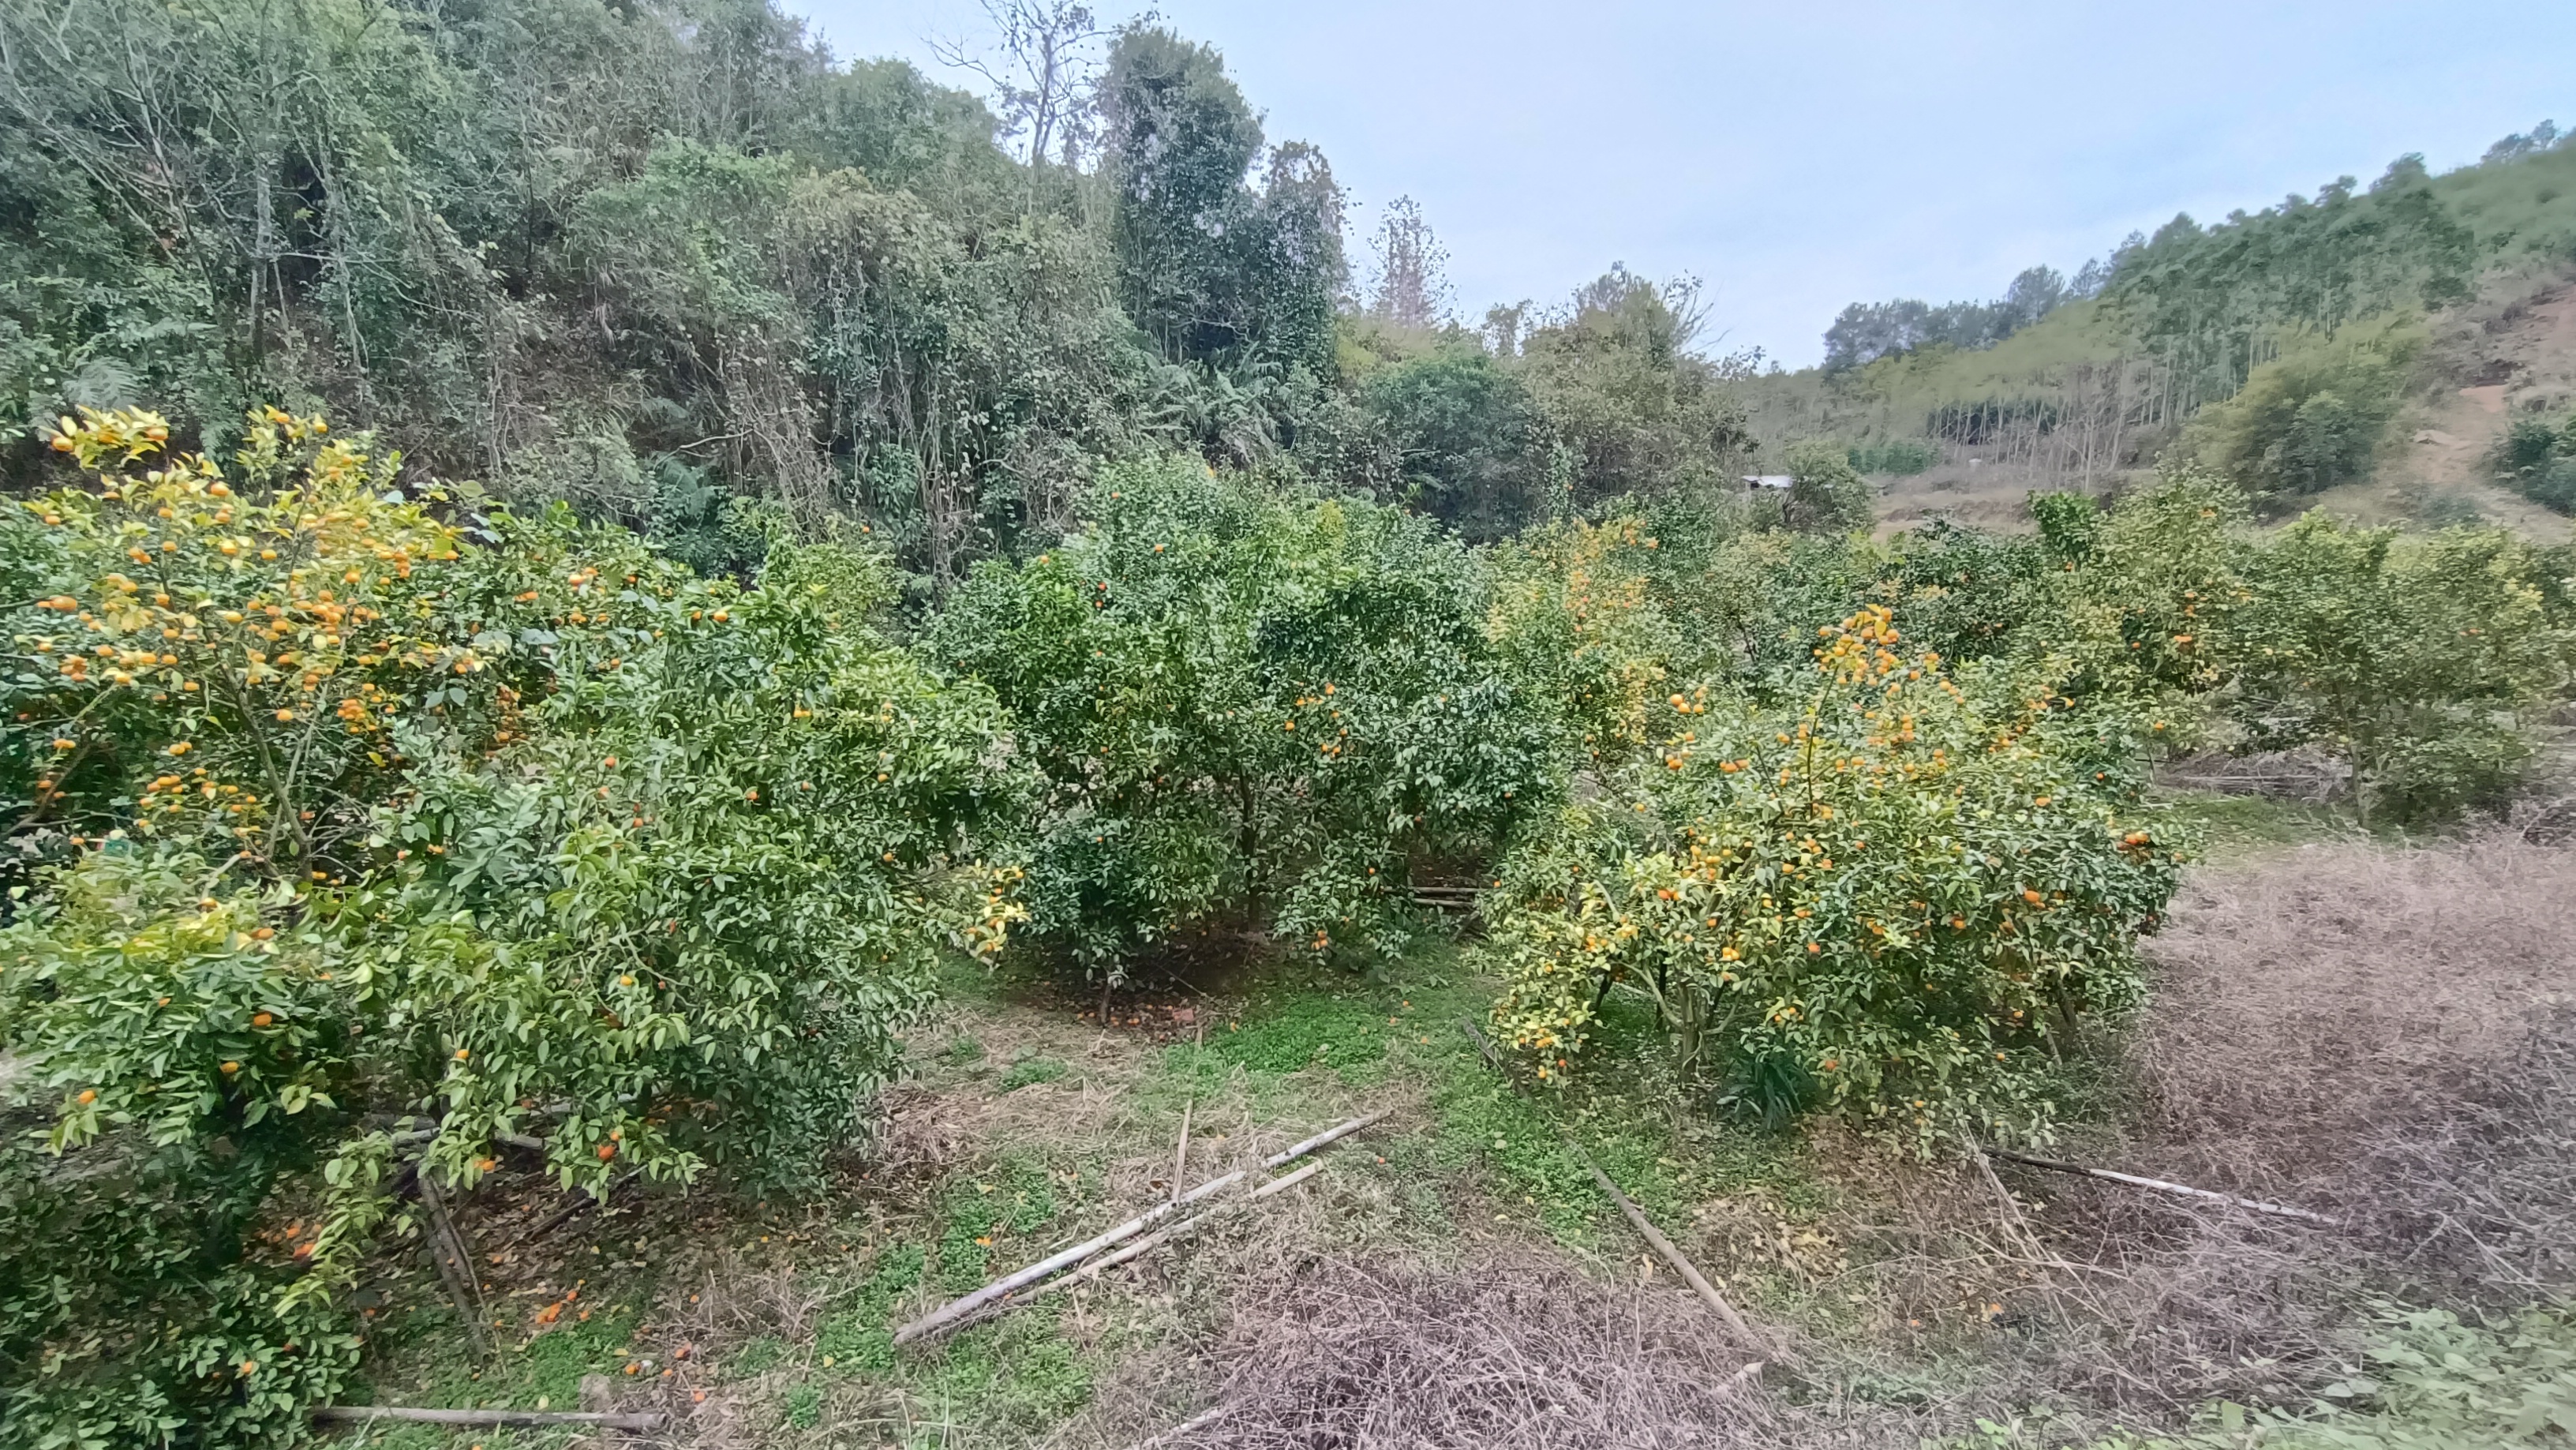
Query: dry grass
[2375, 1033]
[2309, 1004]
[1497, 1354]
[1495, 1351]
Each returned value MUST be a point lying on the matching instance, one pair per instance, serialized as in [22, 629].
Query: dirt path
[2520, 359]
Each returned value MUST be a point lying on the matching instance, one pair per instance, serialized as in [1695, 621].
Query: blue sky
[1800, 156]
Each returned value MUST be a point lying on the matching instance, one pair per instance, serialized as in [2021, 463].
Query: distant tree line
[1868, 331]
[2195, 315]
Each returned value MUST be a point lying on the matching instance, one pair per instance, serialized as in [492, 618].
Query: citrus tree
[2410, 657]
[1247, 706]
[1873, 884]
[367, 846]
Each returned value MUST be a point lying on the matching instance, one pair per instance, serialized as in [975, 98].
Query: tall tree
[1041, 74]
[1178, 139]
[1412, 269]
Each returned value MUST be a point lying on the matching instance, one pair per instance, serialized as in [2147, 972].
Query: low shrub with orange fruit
[1875, 884]
[385, 830]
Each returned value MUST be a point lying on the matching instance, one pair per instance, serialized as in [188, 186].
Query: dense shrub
[2538, 460]
[1826, 494]
[1903, 457]
[2312, 418]
[1461, 432]
[1246, 704]
[1868, 884]
[341, 818]
[2408, 656]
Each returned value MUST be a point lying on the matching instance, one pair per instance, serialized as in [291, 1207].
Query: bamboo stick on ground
[2277, 1210]
[1663, 1246]
[1198, 1421]
[954, 1310]
[1160, 1237]
[367, 1414]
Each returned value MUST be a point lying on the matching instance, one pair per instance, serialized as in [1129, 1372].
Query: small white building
[1755, 481]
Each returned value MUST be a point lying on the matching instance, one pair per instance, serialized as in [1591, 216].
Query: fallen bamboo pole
[1663, 1246]
[957, 1309]
[368, 1414]
[1160, 1237]
[1637, 1219]
[1198, 1421]
[2277, 1210]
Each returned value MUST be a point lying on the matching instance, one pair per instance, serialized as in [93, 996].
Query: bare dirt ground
[2510, 354]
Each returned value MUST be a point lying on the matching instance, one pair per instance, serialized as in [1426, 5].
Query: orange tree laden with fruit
[1871, 885]
[361, 845]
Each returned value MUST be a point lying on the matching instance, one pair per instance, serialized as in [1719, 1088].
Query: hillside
[2087, 395]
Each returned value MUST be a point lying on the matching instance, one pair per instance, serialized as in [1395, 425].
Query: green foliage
[2429, 1381]
[1018, 1197]
[1305, 1031]
[1246, 704]
[1867, 877]
[2312, 418]
[1211, 269]
[1903, 457]
[142, 1299]
[345, 820]
[1641, 415]
[2210, 303]
[1827, 495]
[1461, 432]
[2432, 1380]
[2538, 460]
[2407, 655]
[1031, 1070]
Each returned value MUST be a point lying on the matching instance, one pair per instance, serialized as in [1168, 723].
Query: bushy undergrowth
[363, 827]
[2314, 417]
[2537, 459]
[1245, 704]
[353, 840]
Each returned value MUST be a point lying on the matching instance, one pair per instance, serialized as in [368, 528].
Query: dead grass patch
[2308, 1003]
[2373, 1032]
[1496, 1351]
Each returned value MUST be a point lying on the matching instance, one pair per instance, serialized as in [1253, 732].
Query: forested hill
[2382, 299]
[655, 258]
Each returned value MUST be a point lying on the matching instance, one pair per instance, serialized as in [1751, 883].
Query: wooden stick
[455, 1258]
[1655, 1239]
[1198, 1421]
[956, 1309]
[579, 1202]
[1645, 1227]
[2012, 1210]
[367, 1414]
[2277, 1210]
[1335, 1134]
[1484, 1048]
[1160, 1237]
[1181, 1158]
